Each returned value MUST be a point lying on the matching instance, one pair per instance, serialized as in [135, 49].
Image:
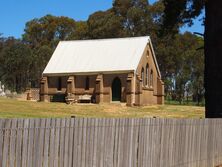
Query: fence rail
[94, 142]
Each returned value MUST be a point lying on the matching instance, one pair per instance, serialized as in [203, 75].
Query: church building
[103, 71]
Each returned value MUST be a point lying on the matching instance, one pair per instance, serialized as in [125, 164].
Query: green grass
[12, 108]
[189, 103]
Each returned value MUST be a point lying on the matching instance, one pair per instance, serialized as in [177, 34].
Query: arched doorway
[116, 89]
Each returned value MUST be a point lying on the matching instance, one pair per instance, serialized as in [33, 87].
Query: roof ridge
[106, 39]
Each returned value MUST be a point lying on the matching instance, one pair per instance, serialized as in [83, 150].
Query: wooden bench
[84, 98]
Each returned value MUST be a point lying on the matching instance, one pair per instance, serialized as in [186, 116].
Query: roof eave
[154, 57]
[88, 73]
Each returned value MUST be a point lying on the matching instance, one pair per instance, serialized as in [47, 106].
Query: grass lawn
[11, 108]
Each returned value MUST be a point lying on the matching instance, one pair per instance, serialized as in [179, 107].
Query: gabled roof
[97, 56]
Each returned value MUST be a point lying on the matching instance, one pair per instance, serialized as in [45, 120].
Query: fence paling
[97, 142]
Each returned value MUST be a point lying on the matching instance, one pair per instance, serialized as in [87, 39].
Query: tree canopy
[16, 60]
[48, 30]
[178, 13]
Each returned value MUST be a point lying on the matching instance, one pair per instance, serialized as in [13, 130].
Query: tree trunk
[213, 59]
[198, 99]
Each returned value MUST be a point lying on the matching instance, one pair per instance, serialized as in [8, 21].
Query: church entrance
[116, 89]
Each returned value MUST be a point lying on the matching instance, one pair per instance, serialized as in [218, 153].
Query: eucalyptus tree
[184, 11]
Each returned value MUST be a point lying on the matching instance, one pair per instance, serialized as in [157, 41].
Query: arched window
[87, 83]
[116, 89]
[147, 75]
[59, 83]
[142, 76]
[151, 78]
[148, 52]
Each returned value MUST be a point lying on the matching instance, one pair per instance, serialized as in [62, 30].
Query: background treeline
[22, 61]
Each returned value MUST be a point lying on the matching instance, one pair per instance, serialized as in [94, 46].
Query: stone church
[103, 71]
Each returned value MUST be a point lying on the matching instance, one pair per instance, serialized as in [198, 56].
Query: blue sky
[15, 13]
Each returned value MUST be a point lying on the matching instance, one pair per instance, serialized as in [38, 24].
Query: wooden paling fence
[94, 142]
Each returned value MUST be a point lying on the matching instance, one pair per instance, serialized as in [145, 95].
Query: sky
[15, 13]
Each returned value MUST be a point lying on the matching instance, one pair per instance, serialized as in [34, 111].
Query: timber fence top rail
[112, 123]
[142, 118]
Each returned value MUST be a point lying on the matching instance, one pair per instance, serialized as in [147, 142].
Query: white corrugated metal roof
[103, 55]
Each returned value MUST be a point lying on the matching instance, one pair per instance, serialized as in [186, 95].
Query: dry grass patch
[11, 108]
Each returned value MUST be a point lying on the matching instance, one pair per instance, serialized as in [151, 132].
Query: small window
[87, 83]
[147, 75]
[151, 78]
[142, 76]
[59, 84]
